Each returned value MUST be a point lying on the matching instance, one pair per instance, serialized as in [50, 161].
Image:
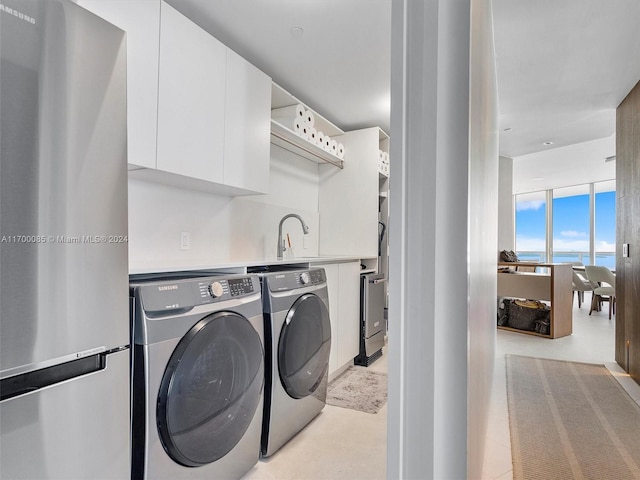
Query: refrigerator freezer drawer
[373, 343]
[75, 429]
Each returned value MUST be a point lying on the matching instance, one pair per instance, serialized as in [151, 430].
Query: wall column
[443, 237]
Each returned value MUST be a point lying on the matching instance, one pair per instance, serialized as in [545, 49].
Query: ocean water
[604, 259]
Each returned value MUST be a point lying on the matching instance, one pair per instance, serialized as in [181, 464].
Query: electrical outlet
[185, 240]
[625, 250]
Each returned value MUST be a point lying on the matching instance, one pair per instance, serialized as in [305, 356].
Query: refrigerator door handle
[35, 380]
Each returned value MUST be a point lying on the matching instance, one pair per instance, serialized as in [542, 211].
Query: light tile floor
[592, 341]
[346, 444]
[338, 444]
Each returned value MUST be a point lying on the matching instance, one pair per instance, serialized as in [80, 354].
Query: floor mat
[358, 388]
[570, 420]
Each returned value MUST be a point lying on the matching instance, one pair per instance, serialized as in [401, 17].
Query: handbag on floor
[524, 314]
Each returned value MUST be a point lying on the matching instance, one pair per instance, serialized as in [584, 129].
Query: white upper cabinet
[348, 198]
[247, 125]
[142, 71]
[191, 99]
[198, 114]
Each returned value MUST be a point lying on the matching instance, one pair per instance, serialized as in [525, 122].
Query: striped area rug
[570, 420]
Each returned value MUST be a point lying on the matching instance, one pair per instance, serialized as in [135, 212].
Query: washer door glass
[304, 346]
[210, 389]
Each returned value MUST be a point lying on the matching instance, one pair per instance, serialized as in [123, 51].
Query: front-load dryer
[198, 377]
[297, 343]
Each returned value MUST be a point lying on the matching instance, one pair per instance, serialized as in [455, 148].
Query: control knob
[305, 278]
[215, 289]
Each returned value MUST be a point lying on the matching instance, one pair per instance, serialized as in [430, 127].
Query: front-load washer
[297, 344]
[197, 376]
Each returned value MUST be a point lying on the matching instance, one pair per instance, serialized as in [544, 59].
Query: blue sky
[570, 223]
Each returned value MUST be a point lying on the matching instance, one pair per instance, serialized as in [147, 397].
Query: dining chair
[604, 287]
[581, 285]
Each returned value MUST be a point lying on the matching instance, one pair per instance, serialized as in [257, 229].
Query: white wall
[159, 213]
[293, 188]
[443, 210]
[223, 229]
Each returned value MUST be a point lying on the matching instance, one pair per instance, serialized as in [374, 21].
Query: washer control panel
[182, 294]
[240, 286]
[317, 276]
[215, 289]
[233, 287]
[279, 282]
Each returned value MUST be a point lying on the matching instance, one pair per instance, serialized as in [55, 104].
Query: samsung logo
[17, 14]
[164, 288]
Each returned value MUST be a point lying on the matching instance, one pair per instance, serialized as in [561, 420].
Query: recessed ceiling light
[296, 32]
[548, 143]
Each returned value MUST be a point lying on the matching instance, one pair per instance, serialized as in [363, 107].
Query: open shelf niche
[284, 136]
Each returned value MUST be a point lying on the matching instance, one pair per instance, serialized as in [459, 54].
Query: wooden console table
[555, 287]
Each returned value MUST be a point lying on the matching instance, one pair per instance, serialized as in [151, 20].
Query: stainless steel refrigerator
[64, 314]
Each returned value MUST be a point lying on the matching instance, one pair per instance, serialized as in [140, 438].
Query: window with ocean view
[571, 224]
[531, 221]
[605, 206]
[578, 232]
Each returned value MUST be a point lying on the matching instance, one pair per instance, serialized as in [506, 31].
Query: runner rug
[358, 388]
[570, 421]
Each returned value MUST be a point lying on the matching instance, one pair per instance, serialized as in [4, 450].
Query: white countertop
[241, 266]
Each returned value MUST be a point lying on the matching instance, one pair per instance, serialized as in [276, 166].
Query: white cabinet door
[349, 312]
[333, 279]
[343, 284]
[143, 37]
[348, 198]
[195, 108]
[247, 126]
[191, 99]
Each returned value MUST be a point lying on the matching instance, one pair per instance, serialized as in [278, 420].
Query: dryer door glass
[304, 346]
[211, 389]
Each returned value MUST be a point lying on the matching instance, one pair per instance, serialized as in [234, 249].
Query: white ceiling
[563, 66]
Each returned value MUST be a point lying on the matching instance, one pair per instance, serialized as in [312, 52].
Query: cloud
[573, 233]
[605, 246]
[530, 244]
[563, 245]
[529, 205]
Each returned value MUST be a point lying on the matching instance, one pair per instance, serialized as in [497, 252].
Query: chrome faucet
[305, 230]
